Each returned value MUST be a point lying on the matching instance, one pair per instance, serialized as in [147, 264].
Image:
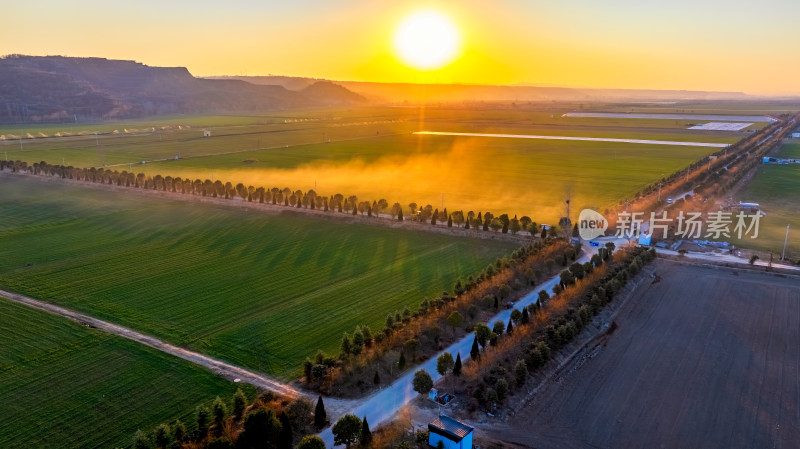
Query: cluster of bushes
[276, 196]
[505, 362]
[270, 422]
[395, 434]
[370, 358]
[349, 430]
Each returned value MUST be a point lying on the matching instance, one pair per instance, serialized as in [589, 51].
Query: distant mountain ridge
[451, 93]
[58, 88]
[330, 91]
[444, 93]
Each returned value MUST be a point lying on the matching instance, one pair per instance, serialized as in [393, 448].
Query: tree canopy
[347, 430]
[422, 382]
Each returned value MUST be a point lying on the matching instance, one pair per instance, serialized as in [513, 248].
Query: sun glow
[426, 40]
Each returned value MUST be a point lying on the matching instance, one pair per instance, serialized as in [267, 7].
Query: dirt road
[219, 367]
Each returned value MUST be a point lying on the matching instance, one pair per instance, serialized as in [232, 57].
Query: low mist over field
[478, 174]
[399, 225]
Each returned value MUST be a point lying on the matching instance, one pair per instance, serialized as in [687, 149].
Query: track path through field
[587, 139]
[219, 367]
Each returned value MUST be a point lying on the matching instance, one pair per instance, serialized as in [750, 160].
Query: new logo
[591, 224]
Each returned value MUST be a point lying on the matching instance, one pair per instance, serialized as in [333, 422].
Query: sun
[426, 40]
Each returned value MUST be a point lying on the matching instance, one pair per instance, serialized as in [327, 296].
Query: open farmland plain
[501, 175]
[64, 385]
[258, 290]
[707, 357]
[775, 188]
[371, 153]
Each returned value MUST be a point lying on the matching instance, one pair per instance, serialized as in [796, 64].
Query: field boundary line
[585, 139]
[222, 369]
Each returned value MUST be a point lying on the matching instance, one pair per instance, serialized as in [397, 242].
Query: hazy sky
[731, 45]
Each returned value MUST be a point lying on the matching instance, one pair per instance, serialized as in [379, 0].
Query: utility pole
[785, 241]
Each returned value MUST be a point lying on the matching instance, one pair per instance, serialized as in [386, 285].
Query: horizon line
[780, 95]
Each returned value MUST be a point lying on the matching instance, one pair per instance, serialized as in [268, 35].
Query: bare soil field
[708, 357]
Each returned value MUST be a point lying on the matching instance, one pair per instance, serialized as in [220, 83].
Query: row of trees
[266, 423]
[726, 174]
[277, 196]
[470, 220]
[704, 174]
[368, 357]
[500, 368]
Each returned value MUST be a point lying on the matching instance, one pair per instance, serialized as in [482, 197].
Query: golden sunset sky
[722, 45]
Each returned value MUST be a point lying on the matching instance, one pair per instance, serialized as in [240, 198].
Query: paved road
[589, 139]
[700, 256]
[645, 227]
[383, 404]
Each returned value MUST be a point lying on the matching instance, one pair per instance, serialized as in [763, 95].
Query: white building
[453, 434]
[206, 133]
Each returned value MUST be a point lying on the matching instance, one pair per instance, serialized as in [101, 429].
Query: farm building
[453, 434]
[206, 133]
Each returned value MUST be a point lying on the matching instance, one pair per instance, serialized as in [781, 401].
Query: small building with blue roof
[451, 433]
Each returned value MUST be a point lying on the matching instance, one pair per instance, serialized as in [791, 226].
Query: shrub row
[505, 364]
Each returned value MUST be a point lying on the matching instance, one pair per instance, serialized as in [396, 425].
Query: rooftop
[452, 428]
